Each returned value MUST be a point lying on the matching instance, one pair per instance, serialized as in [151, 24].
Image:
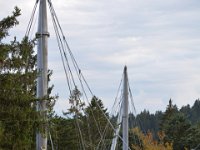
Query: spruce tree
[171, 110]
[18, 117]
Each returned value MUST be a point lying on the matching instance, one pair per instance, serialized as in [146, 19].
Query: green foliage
[192, 138]
[146, 121]
[175, 130]
[64, 134]
[170, 112]
[18, 117]
[180, 126]
[8, 23]
[17, 87]
[97, 125]
[195, 111]
[88, 125]
[77, 105]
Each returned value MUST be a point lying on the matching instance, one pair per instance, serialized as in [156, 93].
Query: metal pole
[125, 111]
[42, 69]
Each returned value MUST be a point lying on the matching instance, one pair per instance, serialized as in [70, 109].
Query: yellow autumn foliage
[149, 143]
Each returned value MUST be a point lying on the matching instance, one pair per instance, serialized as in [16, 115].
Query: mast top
[125, 68]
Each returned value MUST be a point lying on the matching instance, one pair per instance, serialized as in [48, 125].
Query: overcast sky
[159, 41]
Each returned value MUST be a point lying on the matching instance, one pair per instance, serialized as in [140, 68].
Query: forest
[175, 128]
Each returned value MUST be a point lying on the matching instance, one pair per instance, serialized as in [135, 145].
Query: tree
[192, 138]
[170, 112]
[146, 121]
[75, 111]
[176, 129]
[97, 130]
[18, 117]
[64, 133]
[90, 125]
[147, 141]
[186, 110]
[195, 111]
[77, 106]
[174, 124]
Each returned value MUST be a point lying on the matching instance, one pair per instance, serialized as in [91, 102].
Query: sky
[159, 41]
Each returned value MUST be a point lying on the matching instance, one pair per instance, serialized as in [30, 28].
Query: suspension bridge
[75, 79]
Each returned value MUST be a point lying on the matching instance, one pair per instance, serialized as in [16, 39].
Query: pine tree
[18, 117]
[64, 133]
[97, 133]
[170, 112]
[75, 120]
[195, 111]
[176, 129]
[192, 138]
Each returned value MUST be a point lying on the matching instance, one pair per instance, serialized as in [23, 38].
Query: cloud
[157, 40]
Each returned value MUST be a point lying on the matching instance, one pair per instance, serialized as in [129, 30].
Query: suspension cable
[75, 64]
[132, 103]
[31, 19]
[62, 48]
[78, 71]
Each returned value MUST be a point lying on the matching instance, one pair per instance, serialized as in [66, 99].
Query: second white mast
[125, 112]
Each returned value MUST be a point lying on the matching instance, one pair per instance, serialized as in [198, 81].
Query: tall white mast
[125, 111]
[123, 116]
[42, 83]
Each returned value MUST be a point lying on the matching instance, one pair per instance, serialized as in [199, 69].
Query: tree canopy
[18, 117]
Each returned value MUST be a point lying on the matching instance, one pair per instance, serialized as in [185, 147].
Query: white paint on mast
[125, 112]
[42, 68]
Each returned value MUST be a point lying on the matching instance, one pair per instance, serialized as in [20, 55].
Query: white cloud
[158, 40]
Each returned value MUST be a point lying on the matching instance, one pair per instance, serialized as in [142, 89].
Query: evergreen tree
[77, 106]
[147, 122]
[76, 113]
[175, 130]
[64, 133]
[98, 133]
[186, 110]
[170, 112]
[90, 127]
[18, 117]
[192, 138]
[195, 111]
